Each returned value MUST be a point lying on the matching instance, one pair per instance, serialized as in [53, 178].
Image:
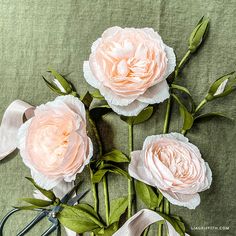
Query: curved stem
[167, 116]
[130, 182]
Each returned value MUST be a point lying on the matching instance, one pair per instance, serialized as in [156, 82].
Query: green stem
[130, 182]
[200, 106]
[167, 116]
[145, 233]
[104, 179]
[184, 59]
[106, 196]
[160, 224]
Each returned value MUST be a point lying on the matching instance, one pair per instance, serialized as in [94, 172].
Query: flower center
[122, 68]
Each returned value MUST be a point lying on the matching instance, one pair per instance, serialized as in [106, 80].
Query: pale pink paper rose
[54, 142]
[129, 67]
[172, 164]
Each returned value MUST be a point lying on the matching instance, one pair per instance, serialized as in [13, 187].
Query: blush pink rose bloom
[174, 166]
[54, 142]
[129, 67]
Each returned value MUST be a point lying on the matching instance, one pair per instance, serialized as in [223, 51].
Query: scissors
[49, 213]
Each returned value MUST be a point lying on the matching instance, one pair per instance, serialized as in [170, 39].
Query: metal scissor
[51, 214]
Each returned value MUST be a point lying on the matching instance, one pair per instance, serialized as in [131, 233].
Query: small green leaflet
[97, 95]
[147, 195]
[212, 115]
[97, 177]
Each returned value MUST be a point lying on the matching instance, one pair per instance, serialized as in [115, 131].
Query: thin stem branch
[130, 182]
[106, 197]
[104, 179]
[160, 224]
[167, 116]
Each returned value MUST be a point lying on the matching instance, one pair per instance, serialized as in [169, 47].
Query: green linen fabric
[36, 34]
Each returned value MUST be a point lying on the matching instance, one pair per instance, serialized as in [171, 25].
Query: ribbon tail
[11, 122]
[140, 221]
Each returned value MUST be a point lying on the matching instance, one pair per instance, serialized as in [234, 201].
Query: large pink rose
[129, 67]
[173, 165]
[54, 143]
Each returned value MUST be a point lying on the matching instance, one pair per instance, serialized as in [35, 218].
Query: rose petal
[171, 61]
[89, 77]
[156, 94]
[132, 109]
[190, 201]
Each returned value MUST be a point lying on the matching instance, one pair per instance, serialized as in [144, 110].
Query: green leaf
[179, 228]
[212, 115]
[62, 81]
[87, 99]
[26, 207]
[222, 86]
[118, 207]
[79, 218]
[49, 194]
[115, 156]
[97, 177]
[144, 115]
[147, 195]
[181, 88]
[186, 91]
[179, 222]
[198, 35]
[97, 95]
[37, 202]
[100, 110]
[185, 114]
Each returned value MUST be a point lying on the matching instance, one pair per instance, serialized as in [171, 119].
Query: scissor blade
[75, 199]
[67, 197]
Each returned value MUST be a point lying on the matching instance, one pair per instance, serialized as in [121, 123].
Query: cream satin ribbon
[140, 221]
[11, 122]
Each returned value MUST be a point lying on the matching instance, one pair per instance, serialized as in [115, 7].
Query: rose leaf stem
[104, 179]
[160, 224]
[130, 181]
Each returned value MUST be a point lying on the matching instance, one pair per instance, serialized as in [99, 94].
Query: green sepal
[37, 202]
[27, 208]
[97, 95]
[144, 115]
[47, 193]
[229, 87]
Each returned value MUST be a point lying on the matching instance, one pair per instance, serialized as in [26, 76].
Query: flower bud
[59, 84]
[198, 34]
[222, 86]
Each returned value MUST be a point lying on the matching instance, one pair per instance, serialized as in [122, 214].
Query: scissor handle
[5, 218]
[28, 227]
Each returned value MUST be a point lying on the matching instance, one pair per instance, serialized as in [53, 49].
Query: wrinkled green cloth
[59, 33]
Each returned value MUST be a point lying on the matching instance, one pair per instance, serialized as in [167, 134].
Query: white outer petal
[138, 170]
[156, 94]
[190, 201]
[89, 77]
[74, 104]
[45, 182]
[132, 109]
[208, 178]
[171, 63]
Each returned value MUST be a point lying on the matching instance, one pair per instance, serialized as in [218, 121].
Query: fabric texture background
[59, 33]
